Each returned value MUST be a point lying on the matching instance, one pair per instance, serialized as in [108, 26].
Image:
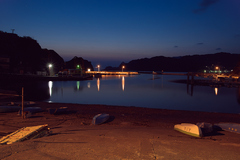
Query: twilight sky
[108, 32]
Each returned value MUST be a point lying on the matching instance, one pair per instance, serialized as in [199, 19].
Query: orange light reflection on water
[123, 83]
[98, 84]
[216, 91]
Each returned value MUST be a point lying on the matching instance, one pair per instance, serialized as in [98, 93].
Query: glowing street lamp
[123, 68]
[50, 68]
[98, 66]
[217, 69]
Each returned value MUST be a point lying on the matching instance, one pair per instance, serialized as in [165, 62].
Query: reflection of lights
[50, 84]
[123, 83]
[88, 84]
[78, 85]
[98, 84]
[216, 91]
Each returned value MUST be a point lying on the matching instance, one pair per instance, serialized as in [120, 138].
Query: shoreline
[133, 113]
[130, 133]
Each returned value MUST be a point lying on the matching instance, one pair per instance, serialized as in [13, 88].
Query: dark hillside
[194, 63]
[26, 55]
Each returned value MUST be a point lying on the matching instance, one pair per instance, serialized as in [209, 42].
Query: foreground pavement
[74, 137]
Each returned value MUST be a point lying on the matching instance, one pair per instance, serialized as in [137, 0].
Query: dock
[110, 73]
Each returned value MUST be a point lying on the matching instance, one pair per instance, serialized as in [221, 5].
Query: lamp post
[123, 68]
[98, 66]
[50, 66]
[217, 69]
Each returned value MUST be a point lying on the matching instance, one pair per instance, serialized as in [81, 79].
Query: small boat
[100, 118]
[231, 127]
[60, 110]
[32, 110]
[26, 103]
[26, 133]
[189, 129]
[4, 109]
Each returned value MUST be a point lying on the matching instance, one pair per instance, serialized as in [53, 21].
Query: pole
[22, 102]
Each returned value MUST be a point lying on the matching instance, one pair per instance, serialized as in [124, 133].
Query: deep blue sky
[107, 32]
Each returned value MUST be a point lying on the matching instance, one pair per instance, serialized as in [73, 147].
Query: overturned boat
[189, 129]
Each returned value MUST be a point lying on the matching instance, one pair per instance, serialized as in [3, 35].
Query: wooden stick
[22, 102]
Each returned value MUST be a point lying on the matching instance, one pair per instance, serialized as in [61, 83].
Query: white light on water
[50, 84]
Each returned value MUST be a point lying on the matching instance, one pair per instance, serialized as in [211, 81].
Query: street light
[123, 68]
[50, 66]
[98, 66]
[217, 69]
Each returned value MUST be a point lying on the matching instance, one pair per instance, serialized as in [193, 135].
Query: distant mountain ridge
[26, 54]
[189, 63]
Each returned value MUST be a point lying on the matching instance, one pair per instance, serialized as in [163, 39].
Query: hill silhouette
[193, 63]
[26, 56]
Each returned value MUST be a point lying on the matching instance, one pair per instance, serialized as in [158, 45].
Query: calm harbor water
[146, 90]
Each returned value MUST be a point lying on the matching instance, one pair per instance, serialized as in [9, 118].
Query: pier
[110, 73]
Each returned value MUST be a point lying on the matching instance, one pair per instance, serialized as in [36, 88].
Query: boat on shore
[5, 109]
[26, 103]
[30, 110]
[231, 127]
[60, 110]
[189, 129]
[100, 118]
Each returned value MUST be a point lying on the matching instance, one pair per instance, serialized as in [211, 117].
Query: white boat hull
[189, 129]
[100, 118]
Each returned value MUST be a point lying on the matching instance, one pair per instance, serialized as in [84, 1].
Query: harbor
[110, 73]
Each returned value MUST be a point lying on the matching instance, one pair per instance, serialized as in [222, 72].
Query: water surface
[146, 90]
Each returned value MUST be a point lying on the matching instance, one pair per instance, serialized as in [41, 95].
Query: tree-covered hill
[193, 63]
[25, 55]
